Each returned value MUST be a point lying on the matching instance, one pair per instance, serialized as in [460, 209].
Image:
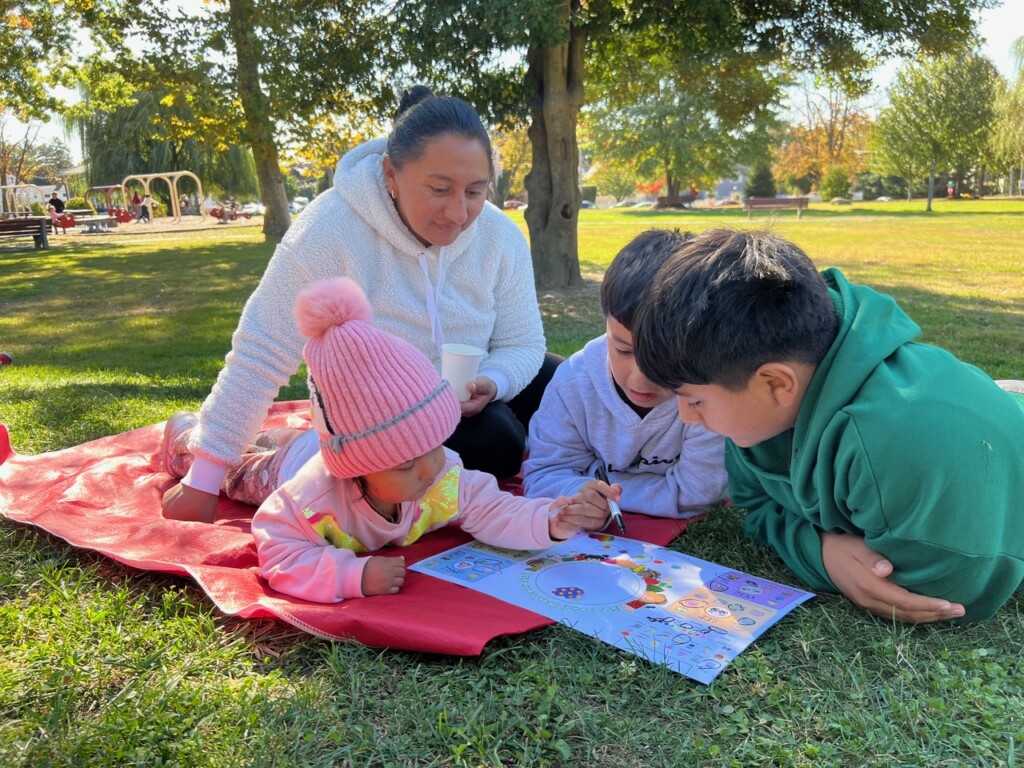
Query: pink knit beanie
[377, 401]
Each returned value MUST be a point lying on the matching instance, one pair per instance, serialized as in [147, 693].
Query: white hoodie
[479, 290]
[666, 468]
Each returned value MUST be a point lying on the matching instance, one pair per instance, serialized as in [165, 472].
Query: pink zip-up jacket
[311, 532]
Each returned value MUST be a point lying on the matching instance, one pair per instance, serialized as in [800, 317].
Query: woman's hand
[181, 502]
[383, 575]
[862, 575]
[481, 392]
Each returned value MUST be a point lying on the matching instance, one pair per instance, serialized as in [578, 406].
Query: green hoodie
[903, 444]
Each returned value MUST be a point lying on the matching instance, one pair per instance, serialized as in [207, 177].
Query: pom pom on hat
[377, 401]
[327, 303]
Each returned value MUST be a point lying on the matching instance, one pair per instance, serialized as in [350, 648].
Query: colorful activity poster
[688, 614]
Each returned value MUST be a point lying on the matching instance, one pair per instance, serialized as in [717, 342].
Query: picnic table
[27, 226]
[767, 203]
[96, 223]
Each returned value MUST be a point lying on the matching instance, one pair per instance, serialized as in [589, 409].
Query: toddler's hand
[594, 495]
[862, 575]
[383, 575]
[568, 515]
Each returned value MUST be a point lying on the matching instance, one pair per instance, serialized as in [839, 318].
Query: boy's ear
[781, 380]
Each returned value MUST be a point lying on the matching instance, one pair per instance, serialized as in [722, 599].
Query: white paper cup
[459, 364]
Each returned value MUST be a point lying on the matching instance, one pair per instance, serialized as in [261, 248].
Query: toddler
[382, 476]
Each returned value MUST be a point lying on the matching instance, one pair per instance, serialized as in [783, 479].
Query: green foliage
[670, 119]
[797, 185]
[79, 203]
[291, 186]
[940, 115]
[874, 186]
[761, 183]
[836, 183]
[615, 179]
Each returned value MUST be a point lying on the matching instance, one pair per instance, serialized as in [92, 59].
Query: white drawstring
[432, 292]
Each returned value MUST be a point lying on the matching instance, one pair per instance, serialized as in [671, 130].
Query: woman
[408, 221]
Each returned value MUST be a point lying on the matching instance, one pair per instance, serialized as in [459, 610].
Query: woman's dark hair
[421, 117]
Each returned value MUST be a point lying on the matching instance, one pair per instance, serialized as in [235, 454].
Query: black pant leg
[492, 441]
[526, 403]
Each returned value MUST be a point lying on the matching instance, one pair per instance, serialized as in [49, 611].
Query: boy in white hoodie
[600, 411]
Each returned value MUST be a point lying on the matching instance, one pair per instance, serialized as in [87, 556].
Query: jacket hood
[871, 328]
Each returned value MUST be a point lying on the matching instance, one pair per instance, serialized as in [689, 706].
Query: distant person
[56, 202]
[51, 211]
[873, 464]
[408, 220]
[146, 209]
[600, 410]
[137, 206]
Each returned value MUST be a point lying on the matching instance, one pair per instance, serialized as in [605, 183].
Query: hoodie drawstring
[432, 292]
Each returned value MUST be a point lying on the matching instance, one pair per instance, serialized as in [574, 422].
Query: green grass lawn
[101, 665]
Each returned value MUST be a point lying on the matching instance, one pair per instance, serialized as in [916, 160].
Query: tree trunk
[555, 75]
[981, 183]
[258, 122]
[931, 186]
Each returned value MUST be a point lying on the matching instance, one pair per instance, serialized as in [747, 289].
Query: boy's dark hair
[421, 116]
[728, 302]
[632, 271]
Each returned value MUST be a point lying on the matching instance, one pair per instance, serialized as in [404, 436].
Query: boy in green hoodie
[874, 465]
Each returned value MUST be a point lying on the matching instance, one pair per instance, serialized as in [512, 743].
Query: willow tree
[474, 46]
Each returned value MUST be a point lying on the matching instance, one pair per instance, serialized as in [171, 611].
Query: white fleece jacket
[311, 531]
[480, 290]
[666, 468]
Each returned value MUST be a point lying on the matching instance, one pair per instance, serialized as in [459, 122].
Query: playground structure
[171, 179]
[18, 198]
[122, 212]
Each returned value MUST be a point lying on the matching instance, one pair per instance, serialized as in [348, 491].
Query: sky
[998, 26]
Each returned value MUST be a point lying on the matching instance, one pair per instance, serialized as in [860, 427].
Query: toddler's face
[407, 481]
[640, 391]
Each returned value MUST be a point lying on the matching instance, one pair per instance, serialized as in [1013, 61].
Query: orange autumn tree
[829, 131]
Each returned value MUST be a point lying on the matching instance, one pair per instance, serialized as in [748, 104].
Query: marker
[602, 475]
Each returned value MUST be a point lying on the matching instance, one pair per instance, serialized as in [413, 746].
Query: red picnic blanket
[104, 495]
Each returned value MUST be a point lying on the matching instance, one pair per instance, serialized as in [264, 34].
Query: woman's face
[440, 194]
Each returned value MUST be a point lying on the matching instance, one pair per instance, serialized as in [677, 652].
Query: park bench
[768, 203]
[30, 226]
